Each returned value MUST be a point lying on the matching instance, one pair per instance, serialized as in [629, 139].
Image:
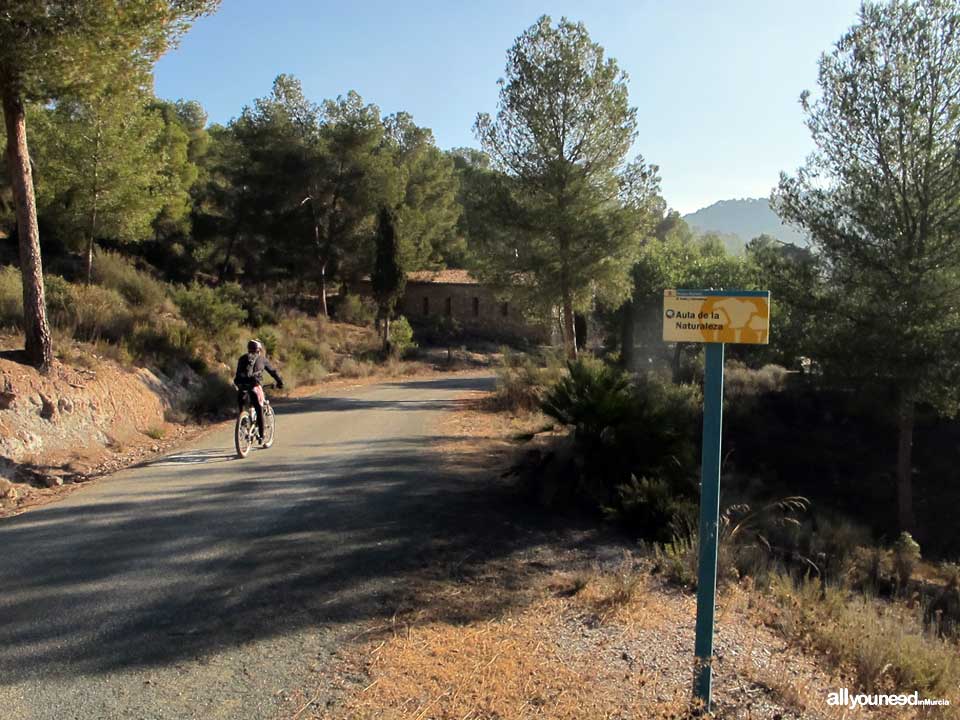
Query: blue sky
[716, 84]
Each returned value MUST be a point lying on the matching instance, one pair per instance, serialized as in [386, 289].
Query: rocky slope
[64, 427]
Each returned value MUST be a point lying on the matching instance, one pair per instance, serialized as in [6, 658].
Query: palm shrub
[635, 442]
[594, 399]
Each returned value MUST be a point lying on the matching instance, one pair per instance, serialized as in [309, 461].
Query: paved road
[204, 586]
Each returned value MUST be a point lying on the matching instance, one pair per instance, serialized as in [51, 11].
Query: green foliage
[98, 313]
[906, 555]
[356, 310]
[137, 287]
[673, 257]
[388, 279]
[215, 397]
[101, 167]
[210, 310]
[523, 380]
[652, 506]
[11, 298]
[573, 211]
[627, 430]
[593, 398]
[401, 337]
[60, 298]
[428, 212]
[878, 198]
[884, 645]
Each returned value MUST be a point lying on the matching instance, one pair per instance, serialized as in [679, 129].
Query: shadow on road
[356, 524]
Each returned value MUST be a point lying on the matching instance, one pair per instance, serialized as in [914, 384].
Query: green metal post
[709, 520]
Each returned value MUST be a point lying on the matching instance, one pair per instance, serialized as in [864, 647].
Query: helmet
[254, 346]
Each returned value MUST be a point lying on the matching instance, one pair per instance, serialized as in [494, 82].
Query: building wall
[474, 307]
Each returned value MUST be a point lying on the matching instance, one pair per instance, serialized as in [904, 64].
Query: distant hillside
[745, 219]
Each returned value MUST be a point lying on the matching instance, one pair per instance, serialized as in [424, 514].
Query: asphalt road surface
[202, 586]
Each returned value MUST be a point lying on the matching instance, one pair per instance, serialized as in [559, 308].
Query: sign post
[714, 318]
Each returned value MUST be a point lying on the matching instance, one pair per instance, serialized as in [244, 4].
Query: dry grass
[553, 632]
[881, 647]
[525, 664]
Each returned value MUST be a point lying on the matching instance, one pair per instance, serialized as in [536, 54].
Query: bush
[166, 342]
[211, 310]
[593, 398]
[522, 381]
[59, 296]
[739, 381]
[623, 431]
[356, 368]
[356, 310]
[884, 644]
[298, 370]
[98, 313]
[401, 337]
[214, 397]
[906, 555]
[11, 298]
[115, 272]
[652, 504]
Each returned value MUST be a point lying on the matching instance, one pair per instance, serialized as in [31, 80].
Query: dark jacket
[250, 371]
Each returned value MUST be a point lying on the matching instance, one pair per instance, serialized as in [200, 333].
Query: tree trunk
[386, 333]
[569, 330]
[677, 356]
[90, 260]
[226, 260]
[323, 289]
[627, 336]
[38, 343]
[93, 211]
[906, 415]
[323, 264]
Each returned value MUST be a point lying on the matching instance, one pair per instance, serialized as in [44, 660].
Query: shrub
[739, 381]
[652, 504]
[594, 398]
[167, 342]
[678, 559]
[832, 544]
[211, 310]
[115, 272]
[883, 643]
[623, 431]
[271, 341]
[298, 370]
[522, 382]
[355, 368]
[99, 313]
[906, 555]
[11, 298]
[214, 397]
[356, 310]
[59, 296]
[401, 337]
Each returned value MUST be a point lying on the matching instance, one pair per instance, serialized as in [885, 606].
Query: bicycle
[246, 433]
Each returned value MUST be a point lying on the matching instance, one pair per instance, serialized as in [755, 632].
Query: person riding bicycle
[249, 379]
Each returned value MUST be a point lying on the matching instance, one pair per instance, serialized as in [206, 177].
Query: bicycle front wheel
[269, 426]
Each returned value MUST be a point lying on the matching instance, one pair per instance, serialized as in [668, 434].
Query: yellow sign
[716, 316]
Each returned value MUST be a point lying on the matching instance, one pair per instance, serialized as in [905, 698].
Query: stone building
[432, 295]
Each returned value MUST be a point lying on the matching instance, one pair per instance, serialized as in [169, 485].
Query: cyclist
[250, 376]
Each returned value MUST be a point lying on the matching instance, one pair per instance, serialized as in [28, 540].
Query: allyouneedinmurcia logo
[844, 698]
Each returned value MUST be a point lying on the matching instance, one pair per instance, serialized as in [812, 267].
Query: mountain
[739, 221]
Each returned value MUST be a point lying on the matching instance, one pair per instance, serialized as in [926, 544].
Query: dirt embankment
[62, 428]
